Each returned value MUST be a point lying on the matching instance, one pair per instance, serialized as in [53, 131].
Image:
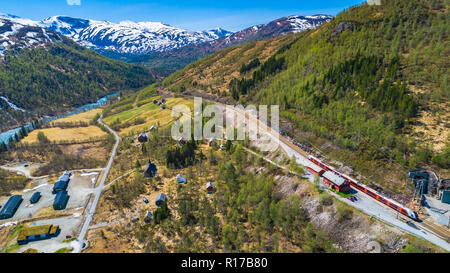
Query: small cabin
[210, 188]
[181, 141]
[160, 199]
[211, 141]
[35, 197]
[142, 137]
[181, 178]
[148, 216]
[151, 170]
[230, 165]
[153, 128]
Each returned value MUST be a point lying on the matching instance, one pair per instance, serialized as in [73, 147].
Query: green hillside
[369, 88]
[214, 72]
[63, 75]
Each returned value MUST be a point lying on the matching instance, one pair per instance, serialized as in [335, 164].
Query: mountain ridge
[178, 58]
[46, 73]
[124, 37]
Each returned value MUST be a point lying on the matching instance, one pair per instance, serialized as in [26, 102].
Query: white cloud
[74, 2]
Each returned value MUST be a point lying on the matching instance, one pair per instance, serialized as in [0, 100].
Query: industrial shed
[35, 233]
[35, 197]
[160, 199]
[62, 183]
[60, 186]
[61, 200]
[336, 182]
[11, 206]
[419, 174]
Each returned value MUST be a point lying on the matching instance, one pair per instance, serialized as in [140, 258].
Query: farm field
[66, 134]
[81, 117]
[150, 113]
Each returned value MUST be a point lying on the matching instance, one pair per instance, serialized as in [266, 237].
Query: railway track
[442, 232]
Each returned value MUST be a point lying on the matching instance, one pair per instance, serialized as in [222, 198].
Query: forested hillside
[59, 76]
[372, 82]
[214, 73]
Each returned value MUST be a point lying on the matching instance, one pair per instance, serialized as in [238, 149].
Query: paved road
[97, 192]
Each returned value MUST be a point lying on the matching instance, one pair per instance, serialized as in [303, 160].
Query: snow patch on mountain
[23, 33]
[300, 23]
[128, 36]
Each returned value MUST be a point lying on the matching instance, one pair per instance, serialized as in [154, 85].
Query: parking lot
[80, 187]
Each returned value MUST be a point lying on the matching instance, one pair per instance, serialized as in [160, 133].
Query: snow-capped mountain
[22, 33]
[178, 58]
[139, 38]
[128, 36]
[285, 25]
[124, 37]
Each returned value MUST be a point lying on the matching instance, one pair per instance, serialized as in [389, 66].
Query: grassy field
[82, 117]
[151, 114]
[68, 134]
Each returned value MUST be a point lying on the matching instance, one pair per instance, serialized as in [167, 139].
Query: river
[5, 136]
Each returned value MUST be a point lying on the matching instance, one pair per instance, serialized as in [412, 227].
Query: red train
[372, 193]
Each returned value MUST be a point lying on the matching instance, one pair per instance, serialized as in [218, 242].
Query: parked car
[68, 236]
[352, 198]
[145, 200]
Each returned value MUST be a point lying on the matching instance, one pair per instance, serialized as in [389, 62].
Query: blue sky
[232, 15]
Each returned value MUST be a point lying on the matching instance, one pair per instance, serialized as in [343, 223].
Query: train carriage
[372, 193]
